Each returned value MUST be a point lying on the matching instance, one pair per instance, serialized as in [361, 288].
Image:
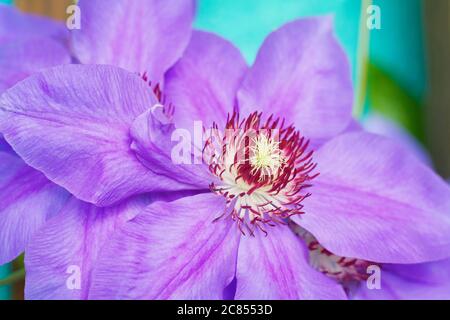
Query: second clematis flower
[151, 37]
[103, 135]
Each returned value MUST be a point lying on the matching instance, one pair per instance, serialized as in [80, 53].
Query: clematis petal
[14, 23]
[203, 83]
[276, 267]
[170, 251]
[72, 123]
[5, 147]
[381, 125]
[22, 57]
[153, 143]
[27, 201]
[426, 281]
[60, 258]
[374, 200]
[302, 74]
[140, 36]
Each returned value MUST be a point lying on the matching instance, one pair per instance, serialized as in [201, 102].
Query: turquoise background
[4, 291]
[397, 47]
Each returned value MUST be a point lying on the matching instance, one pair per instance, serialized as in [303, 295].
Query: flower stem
[362, 61]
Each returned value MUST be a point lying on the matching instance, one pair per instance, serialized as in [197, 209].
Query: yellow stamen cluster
[265, 156]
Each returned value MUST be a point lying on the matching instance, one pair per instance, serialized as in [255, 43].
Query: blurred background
[401, 71]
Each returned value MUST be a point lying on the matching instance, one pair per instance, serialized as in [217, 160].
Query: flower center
[263, 168]
[265, 156]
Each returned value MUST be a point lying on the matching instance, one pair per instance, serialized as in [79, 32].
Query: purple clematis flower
[101, 133]
[372, 201]
[28, 199]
